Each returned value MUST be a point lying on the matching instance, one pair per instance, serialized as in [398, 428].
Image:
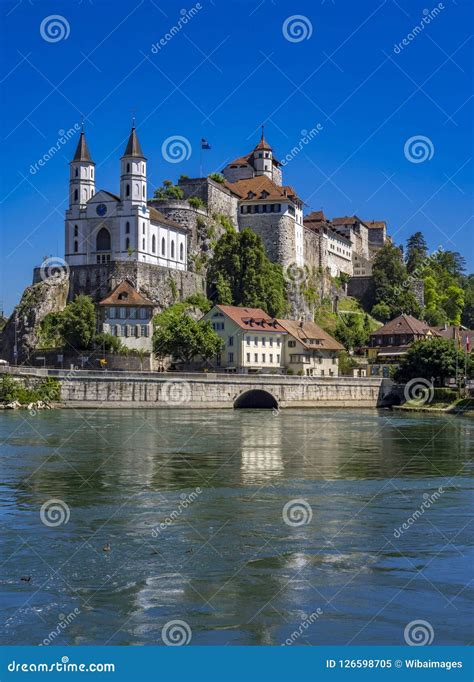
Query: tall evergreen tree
[416, 252]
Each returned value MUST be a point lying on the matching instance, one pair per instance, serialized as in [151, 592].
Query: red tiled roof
[307, 331]
[254, 319]
[405, 324]
[125, 294]
[261, 184]
[158, 217]
[377, 224]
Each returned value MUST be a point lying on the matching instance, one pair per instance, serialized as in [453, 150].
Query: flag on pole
[205, 144]
[467, 344]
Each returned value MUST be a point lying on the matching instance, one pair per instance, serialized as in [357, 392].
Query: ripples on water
[227, 563]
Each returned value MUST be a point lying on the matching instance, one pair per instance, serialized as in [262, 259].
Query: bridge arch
[256, 398]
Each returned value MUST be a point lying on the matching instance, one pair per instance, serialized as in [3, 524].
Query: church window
[128, 168]
[103, 242]
[127, 227]
[143, 245]
[143, 228]
[127, 243]
[181, 252]
[92, 173]
[76, 230]
[127, 190]
[172, 249]
[163, 247]
[76, 195]
[143, 191]
[153, 244]
[267, 167]
[76, 246]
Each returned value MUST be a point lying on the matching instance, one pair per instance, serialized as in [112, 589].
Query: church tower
[133, 173]
[263, 158]
[81, 175]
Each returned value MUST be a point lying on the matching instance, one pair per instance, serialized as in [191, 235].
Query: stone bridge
[82, 388]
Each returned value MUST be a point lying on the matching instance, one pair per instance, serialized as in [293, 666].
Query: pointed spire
[133, 147]
[82, 150]
[263, 144]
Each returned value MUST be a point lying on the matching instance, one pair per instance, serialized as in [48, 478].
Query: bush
[196, 202]
[48, 390]
[217, 177]
[444, 395]
[109, 344]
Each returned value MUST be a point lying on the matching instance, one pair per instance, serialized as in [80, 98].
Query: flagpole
[200, 159]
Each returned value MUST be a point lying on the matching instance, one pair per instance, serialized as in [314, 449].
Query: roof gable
[250, 319]
[126, 294]
[307, 331]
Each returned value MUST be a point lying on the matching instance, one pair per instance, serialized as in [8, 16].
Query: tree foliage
[415, 252]
[77, 323]
[392, 282]
[240, 273]
[353, 331]
[179, 335]
[432, 359]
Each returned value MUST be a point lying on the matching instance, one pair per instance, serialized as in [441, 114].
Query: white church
[102, 227]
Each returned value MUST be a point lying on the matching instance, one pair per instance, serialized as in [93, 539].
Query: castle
[105, 228]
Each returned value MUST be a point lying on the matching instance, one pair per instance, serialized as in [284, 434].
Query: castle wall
[312, 248]
[154, 282]
[277, 233]
[217, 197]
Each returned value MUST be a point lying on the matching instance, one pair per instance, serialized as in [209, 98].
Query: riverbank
[464, 406]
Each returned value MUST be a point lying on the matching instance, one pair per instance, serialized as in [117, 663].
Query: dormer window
[123, 296]
[264, 194]
[250, 195]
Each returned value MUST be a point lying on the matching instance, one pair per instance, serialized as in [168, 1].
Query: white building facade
[103, 227]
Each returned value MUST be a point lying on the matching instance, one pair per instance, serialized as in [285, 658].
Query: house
[461, 335]
[392, 341]
[128, 315]
[309, 350]
[253, 340]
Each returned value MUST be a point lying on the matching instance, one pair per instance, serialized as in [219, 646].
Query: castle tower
[133, 173]
[81, 175]
[263, 158]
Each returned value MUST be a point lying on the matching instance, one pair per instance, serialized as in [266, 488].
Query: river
[247, 526]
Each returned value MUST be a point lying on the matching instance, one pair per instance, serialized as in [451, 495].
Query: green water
[191, 504]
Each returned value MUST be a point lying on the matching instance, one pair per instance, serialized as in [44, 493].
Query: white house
[128, 315]
[253, 341]
[309, 350]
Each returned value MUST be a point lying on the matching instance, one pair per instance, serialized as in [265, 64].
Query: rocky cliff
[23, 327]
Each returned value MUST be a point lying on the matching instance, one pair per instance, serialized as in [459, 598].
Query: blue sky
[227, 70]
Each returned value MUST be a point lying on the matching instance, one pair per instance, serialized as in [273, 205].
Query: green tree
[353, 331]
[432, 359]
[78, 323]
[392, 283]
[381, 311]
[416, 252]
[179, 335]
[240, 273]
[453, 303]
[467, 317]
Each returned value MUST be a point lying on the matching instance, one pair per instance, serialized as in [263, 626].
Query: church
[102, 227]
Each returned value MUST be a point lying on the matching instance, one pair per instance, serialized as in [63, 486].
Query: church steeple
[133, 171]
[263, 157]
[81, 175]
